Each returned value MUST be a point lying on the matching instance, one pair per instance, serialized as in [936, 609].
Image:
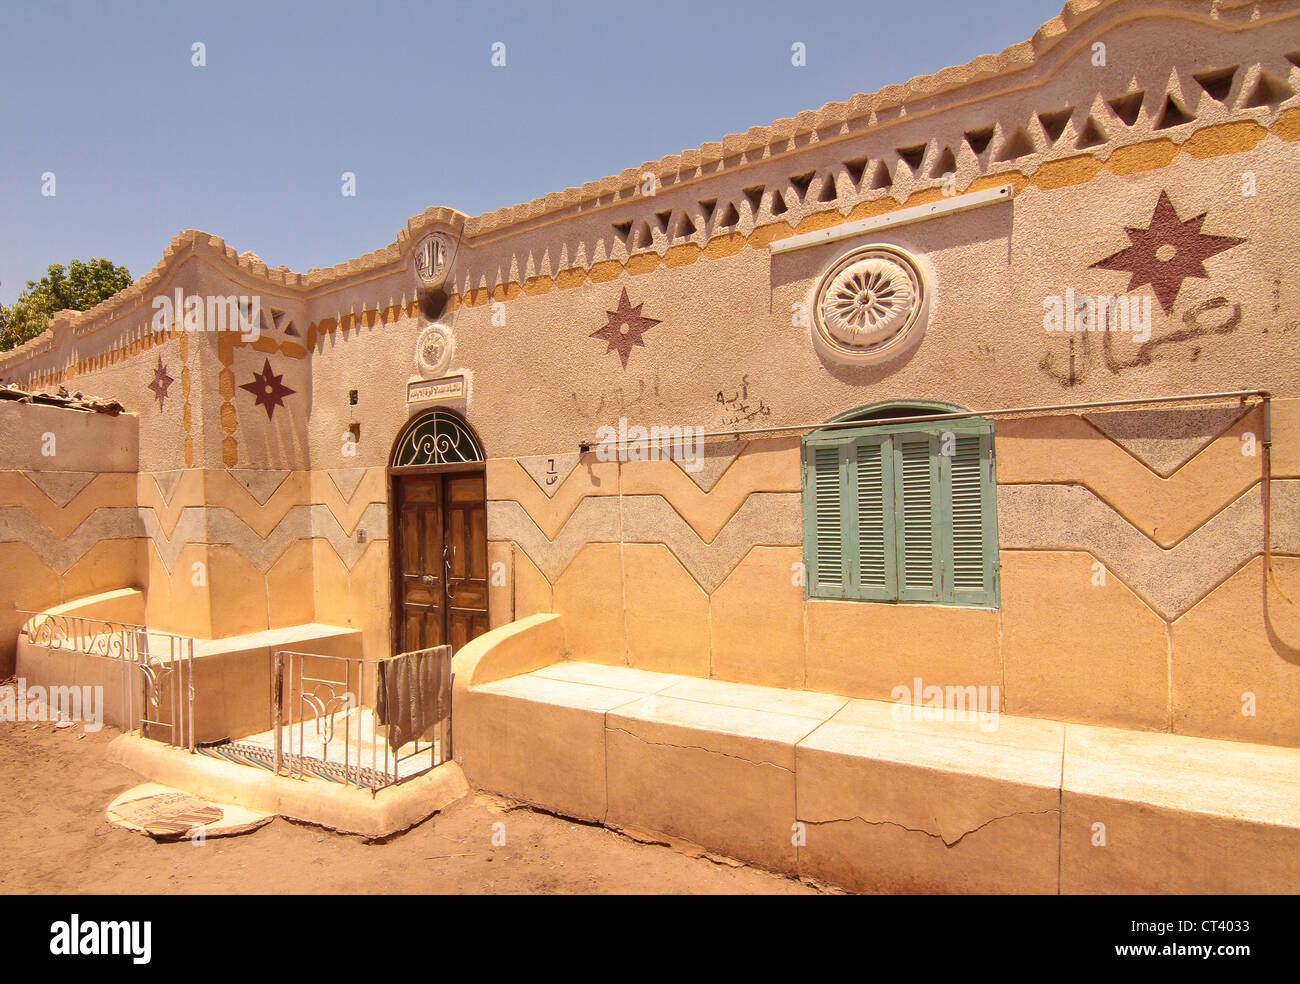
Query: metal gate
[330, 719]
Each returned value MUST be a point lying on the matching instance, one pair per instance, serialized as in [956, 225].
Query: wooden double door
[441, 568]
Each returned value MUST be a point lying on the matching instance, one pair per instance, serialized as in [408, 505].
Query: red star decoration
[625, 327]
[1167, 252]
[268, 390]
[161, 384]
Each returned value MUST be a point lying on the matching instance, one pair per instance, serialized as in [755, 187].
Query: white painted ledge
[904, 216]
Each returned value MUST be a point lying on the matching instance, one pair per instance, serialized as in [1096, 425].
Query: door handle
[428, 579]
[446, 563]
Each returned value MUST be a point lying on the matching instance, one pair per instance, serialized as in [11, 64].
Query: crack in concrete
[920, 830]
[711, 751]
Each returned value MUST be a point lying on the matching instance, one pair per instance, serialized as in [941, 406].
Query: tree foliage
[78, 287]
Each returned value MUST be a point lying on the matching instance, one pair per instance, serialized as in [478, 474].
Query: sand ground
[56, 784]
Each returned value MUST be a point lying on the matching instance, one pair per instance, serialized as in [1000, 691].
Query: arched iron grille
[437, 438]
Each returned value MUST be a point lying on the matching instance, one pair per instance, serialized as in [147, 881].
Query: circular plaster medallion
[431, 258]
[433, 350]
[868, 302]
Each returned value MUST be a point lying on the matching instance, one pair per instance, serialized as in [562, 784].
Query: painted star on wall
[625, 328]
[268, 389]
[1167, 252]
[161, 384]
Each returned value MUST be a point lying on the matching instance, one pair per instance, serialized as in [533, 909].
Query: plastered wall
[68, 522]
[1132, 574]
[245, 467]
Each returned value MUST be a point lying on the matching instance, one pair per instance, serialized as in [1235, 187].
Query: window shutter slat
[967, 498]
[917, 489]
[826, 563]
[874, 495]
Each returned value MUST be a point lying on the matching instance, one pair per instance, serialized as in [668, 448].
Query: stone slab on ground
[164, 813]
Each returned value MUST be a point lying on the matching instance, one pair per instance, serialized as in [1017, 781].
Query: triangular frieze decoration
[1165, 440]
[60, 487]
[261, 483]
[550, 470]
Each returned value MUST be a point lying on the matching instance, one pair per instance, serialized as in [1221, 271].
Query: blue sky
[251, 146]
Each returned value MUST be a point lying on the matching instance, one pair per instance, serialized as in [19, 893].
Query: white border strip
[958, 203]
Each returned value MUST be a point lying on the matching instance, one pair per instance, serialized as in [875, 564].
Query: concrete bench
[858, 794]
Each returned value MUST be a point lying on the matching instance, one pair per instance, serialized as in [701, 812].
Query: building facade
[678, 406]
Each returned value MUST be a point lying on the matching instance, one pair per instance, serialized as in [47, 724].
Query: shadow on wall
[1274, 598]
[955, 255]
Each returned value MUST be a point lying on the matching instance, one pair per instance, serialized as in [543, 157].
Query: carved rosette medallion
[868, 303]
[433, 350]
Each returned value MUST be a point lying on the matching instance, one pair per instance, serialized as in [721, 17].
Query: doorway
[440, 563]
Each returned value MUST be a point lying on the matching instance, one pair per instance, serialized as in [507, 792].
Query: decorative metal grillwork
[159, 686]
[157, 668]
[315, 691]
[437, 438]
[72, 633]
[300, 766]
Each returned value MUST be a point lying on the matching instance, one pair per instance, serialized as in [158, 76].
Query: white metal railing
[338, 699]
[78, 634]
[158, 673]
[157, 668]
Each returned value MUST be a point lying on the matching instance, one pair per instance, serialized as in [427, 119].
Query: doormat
[243, 753]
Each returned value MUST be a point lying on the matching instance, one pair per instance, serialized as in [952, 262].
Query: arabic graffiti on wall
[1216, 316]
[739, 406]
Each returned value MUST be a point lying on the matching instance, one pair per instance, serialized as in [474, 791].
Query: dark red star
[268, 389]
[161, 383]
[625, 328]
[1167, 252]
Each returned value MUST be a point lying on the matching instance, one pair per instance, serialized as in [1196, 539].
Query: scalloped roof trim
[1015, 58]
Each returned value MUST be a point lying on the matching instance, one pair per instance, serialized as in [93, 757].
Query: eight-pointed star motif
[625, 327]
[268, 389]
[1166, 252]
[161, 384]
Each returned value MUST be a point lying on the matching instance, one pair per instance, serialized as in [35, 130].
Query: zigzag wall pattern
[63, 535]
[657, 566]
[261, 512]
[297, 534]
[667, 570]
[1064, 484]
[57, 523]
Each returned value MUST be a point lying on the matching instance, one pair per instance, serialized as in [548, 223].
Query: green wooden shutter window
[889, 517]
[973, 510]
